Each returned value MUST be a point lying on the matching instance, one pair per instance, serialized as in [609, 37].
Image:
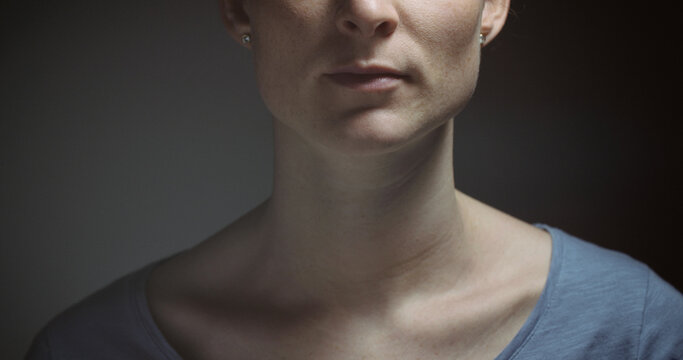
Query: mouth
[367, 79]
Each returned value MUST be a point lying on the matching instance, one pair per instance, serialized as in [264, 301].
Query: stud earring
[482, 39]
[246, 39]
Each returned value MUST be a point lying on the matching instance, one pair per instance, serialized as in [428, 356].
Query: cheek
[450, 29]
[449, 22]
[283, 37]
[451, 50]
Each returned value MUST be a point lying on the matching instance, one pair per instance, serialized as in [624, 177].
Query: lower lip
[367, 82]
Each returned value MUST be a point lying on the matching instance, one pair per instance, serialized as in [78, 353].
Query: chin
[376, 132]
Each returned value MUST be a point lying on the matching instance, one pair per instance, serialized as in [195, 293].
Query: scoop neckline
[511, 350]
[543, 304]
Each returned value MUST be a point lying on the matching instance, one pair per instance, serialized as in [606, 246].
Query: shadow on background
[132, 130]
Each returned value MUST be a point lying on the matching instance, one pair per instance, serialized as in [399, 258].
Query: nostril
[385, 28]
[349, 25]
[367, 22]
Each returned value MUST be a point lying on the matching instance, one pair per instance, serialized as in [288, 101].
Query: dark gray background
[133, 129]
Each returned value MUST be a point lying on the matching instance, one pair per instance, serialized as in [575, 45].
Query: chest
[465, 333]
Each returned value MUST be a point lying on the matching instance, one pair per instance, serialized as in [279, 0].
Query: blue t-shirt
[596, 304]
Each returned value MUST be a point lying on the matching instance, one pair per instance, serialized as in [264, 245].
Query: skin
[364, 249]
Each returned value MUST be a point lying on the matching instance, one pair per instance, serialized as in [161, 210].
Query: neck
[364, 230]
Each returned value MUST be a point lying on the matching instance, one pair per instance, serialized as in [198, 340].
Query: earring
[482, 39]
[246, 39]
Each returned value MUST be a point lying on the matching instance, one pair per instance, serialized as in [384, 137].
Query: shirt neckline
[543, 303]
[511, 350]
[139, 297]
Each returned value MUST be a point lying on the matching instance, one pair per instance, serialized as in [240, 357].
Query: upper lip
[367, 69]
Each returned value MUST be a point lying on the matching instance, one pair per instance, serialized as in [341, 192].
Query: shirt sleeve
[661, 335]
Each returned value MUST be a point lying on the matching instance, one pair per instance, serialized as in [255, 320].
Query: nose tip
[367, 18]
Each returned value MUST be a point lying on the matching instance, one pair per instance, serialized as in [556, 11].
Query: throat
[366, 260]
[363, 229]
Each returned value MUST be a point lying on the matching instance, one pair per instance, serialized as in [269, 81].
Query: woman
[365, 249]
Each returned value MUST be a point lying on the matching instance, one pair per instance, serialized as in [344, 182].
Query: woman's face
[420, 59]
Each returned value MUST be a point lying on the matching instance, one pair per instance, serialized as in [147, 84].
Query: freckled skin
[355, 255]
[295, 42]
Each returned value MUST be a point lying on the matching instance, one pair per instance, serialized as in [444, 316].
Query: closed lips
[361, 77]
[370, 70]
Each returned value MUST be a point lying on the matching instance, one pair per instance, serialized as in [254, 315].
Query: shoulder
[107, 324]
[608, 280]
[661, 334]
[590, 270]
[605, 304]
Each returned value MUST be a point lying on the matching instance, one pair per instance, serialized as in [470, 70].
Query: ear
[493, 17]
[235, 18]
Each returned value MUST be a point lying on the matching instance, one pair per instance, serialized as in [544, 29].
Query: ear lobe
[493, 17]
[235, 18]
